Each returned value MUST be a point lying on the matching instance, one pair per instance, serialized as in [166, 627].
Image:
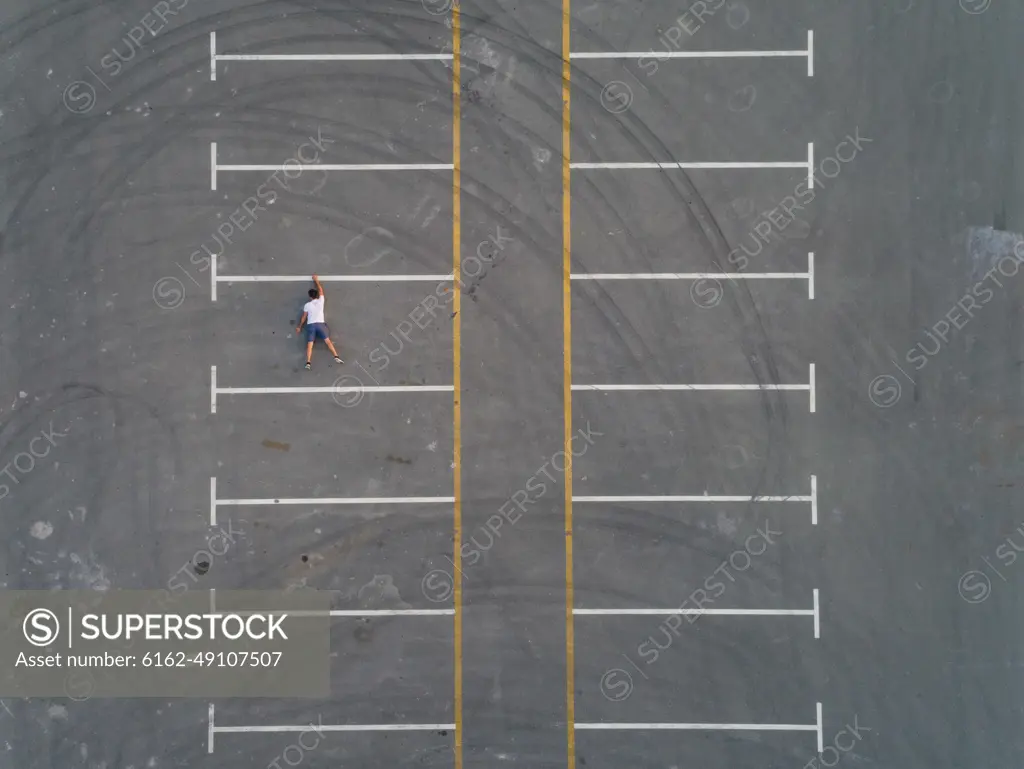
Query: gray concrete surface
[108, 333]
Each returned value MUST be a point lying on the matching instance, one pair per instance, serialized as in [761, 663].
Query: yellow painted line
[456, 372]
[570, 648]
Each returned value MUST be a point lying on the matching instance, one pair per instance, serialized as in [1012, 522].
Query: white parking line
[213, 729]
[695, 387]
[665, 166]
[664, 55]
[215, 390]
[808, 276]
[216, 278]
[710, 165]
[815, 727]
[335, 501]
[817, 615]
[340, 612]
[316, 390]
[687, 275]
[722, 612]
[386, 613]
[701, 727]
[330, 278]
[213, 165]
[679, 611]
[693, 498]
[215, 57]
[213, 385]
[334, 57]
[314, 501]
[664, 498]
[813, 388]
[814, 500]
[345, 167]
[216, 168]
[337, 728]
[357, 613]
[809, 388]
[821, 740]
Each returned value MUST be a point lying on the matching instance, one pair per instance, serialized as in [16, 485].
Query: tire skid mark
[182, 31]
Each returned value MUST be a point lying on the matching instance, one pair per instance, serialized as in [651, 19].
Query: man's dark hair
[313, 293]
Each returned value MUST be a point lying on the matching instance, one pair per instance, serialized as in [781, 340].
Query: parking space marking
[216, 278]
[709, 727]
[335, 389]
[210, 729]
[808, 276]
[678, 611]
[213, 729]
[675, 165]
[390, 613]
[809, 388]
[812, 498]
[314, 501]
[359, 613]
[334, 501]
[821, 741]
[213, 167]
[695, 387]
[707, 165]
[215, 57]
[815, 727]
[664, 55]
[330, 278]
[817, 615]
[723, 612]
[216, 169]
[342, 612]
[338, 728]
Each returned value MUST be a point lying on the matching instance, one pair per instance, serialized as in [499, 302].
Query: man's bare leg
[330, 346]
[309, 353]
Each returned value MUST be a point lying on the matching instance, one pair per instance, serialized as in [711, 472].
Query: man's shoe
[338, 360]
[309, 366]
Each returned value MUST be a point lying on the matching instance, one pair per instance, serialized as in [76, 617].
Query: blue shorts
[316, 331]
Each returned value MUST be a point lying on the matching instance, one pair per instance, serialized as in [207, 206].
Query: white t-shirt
[314, 310]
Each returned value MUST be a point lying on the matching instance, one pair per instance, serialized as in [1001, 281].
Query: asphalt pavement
[795, 363]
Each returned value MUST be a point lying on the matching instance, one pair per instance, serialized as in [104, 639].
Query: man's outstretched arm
[302, 321]
[319, 287]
